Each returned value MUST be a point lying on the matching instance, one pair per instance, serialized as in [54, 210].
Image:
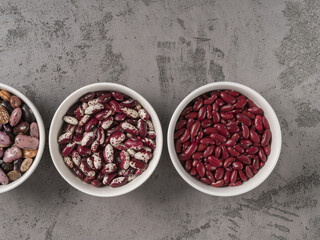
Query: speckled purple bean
[12, 154]
[26, 142]
[15, 117]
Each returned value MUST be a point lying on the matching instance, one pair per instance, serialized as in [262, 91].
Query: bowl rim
[56, 126]
[275, 150]
[42, 137]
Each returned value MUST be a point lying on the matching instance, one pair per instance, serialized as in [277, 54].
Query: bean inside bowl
[109, 139]
[22, 138]
[219, 137]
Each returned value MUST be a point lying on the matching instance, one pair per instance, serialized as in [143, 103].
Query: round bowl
[262, 174]
[42, 133]
[68, 175]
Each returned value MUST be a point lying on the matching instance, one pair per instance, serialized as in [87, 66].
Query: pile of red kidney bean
[222, 138]
[19, 137]
[107, 139]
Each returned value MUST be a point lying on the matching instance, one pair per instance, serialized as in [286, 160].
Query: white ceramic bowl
[42, 133]
[68, 175]
[262, 174]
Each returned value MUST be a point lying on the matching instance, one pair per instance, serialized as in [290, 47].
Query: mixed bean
[19, 137]
[222, 138]
[107, 139]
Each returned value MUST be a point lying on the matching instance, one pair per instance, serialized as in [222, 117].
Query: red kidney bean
[209, 130]
[197, 155]
[191, 149]
[243, 119]
[209, 167]
[180, 124]
[267, 150]
[215, 161]
[245, 131]
[218, 137]
[224, 152]
[205, 180]
[218, 183]
[193, 171]
[262, 155]
[237, 183]
[226, 108]
[185, 145]
[202, 113]
[266, 138]
[242, 176]
[235, 137]
[207, 141]
[249, 115]
[195, 128]
[209, 151]
[209, 112]
[230, 143]
[252, 150]
[210, 100]
[226, 177]
[201, 170]
[233, 128]
[244, 159]
[255, 162]
[237, 165]
[258, 123]
[217, 152]
[248, 171]
[227, 98]
[226, 116]
[240, 103]
[183, 157]
[185, 137]
[215, 107]
[254, 137]
[199, 136]
[228, 161]
[219, 173]
[202, 147]
[191, 115]
[222, 129]
[186, 110]
[233, 152]
[206, 123]
[233, 176]
[210, 176]
[197, 105]
[190, 123]
[255, 110]
[239, 149]
[187, 165]
[177, 146]
[215, 116]
[245, 143]
[265, 123]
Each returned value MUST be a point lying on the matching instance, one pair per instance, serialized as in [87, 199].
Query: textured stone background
[165, 49]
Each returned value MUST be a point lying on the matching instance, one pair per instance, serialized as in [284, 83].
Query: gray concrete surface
[165, 49]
